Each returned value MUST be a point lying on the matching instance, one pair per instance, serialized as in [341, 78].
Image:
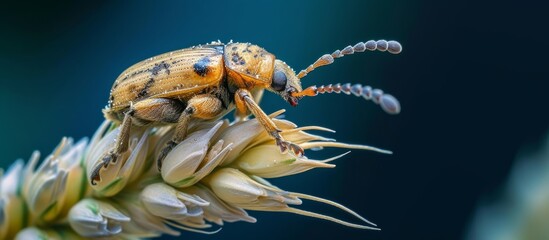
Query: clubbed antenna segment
[381, 45]
[387, 102]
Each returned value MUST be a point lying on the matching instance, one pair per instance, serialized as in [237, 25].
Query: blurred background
[472, 80]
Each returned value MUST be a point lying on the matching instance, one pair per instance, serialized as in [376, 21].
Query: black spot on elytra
[159, 67]
[201, 67]
[145, 91]
[155, 70]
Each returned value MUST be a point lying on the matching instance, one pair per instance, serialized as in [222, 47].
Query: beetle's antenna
[382, 45]
[387, 102]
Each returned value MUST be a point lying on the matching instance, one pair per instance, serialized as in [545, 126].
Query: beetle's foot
[107, 159]
[95, 177]
[294, 148]
[169, 146]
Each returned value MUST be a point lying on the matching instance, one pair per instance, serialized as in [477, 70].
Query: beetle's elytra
[207, 81]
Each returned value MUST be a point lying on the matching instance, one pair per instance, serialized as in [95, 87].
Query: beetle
[208, 81]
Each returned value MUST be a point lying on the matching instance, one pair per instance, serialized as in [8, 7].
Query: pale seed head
[95, 218]
[213, 176]
[218, 211]
[195, 157]
[165, 201]
[52, 188]
[127, 168]
[12, 205]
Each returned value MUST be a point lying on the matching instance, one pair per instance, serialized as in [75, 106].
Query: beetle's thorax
[248, 65]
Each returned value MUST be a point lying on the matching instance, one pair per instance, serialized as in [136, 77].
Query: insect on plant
[208, 81]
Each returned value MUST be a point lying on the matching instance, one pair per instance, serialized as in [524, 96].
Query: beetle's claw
[282, 145]
[297, 150]
[96, 176]
[169, 146]
[294, 148]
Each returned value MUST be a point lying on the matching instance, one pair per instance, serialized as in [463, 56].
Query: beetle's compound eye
[279, 81]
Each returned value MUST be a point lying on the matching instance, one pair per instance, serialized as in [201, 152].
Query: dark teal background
[472, 81]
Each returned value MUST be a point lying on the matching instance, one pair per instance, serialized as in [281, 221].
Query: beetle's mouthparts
[290, 96]
[293, 101]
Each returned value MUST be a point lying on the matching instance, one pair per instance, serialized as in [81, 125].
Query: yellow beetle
[208, 81]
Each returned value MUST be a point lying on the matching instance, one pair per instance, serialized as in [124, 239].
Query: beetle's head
[285, 83]
[288, 84]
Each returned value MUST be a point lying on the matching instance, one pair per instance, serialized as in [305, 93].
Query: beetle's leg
[122, 146]
[162, 110]
[204, 106]
[244, 101]
[242, 112]
[140, 113]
